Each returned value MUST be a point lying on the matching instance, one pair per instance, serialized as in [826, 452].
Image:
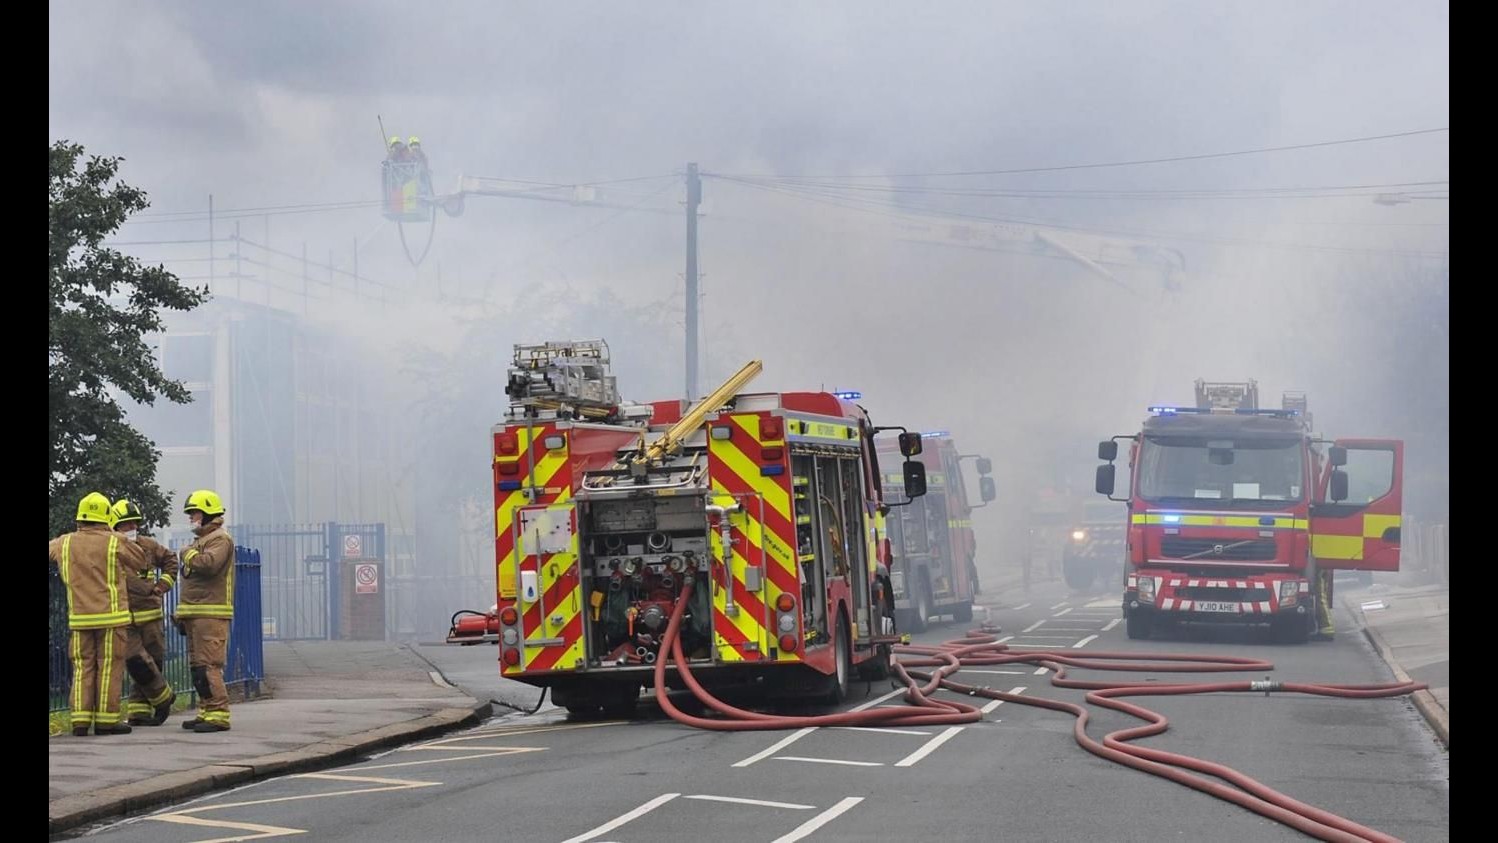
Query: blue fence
[245, 667]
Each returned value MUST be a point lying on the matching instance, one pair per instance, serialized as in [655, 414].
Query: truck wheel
[1139, 625]
[1291, 629]
[619, 702]
[1078, 574]
[837, 683]
[962, 612]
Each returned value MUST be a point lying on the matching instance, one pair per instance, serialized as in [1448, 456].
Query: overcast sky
[275, 104]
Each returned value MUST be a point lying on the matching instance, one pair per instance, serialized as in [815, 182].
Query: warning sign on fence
[353, 547]
[366, 579]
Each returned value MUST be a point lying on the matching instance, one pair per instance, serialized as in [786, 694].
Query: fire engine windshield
[1247, 473]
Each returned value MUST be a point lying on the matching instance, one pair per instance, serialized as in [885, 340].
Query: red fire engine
[933, 570]
[1239, 514]
[767, 502]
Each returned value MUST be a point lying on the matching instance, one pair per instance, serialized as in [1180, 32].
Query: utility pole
[694, 198]
[210, 242]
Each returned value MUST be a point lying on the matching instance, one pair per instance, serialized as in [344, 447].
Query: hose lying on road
[980, 648]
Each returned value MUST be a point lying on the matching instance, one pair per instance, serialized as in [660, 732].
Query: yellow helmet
[413, 141]
[94, 508]
[124, 510]
[395, 140]
[205, 501]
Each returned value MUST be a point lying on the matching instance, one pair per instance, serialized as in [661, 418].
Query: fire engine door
[1361, 531]
[550, 592]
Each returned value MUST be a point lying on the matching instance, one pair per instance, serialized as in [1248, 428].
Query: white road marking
[993, 704]
[1060, 613]
[624, 818]
[1058, 605]
[877, 700]
[882, 729]
[1062, 637]
[1009, 672]
[929, 747]
[1033, 626]
[1005, 638]
[1021, 606]
[777, 746]
[1112, 623]
[1083, 643]
[819, 820]
[1041, 671]
[1102, 604]
[828, 761]
[789, 805]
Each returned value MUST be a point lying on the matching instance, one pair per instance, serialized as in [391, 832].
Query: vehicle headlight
[1079, 535]
[1288, 591]
[1147, 588]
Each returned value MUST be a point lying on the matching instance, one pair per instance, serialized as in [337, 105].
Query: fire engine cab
[1239, 514]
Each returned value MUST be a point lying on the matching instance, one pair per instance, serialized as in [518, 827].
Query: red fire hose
[980, 648]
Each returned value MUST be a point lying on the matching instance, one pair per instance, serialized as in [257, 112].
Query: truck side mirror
[985, 465]
[1339, 485]
[1105, 479]
[1338, 455]
[986, 489]
[915, 479]
[910, 445]
[1107, 451]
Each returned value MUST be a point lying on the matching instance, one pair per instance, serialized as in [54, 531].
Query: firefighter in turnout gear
[151, 697]
[95, 563]
[205, 607]
[1325, 629]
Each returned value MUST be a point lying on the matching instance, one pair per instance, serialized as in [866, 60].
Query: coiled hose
[980, 648]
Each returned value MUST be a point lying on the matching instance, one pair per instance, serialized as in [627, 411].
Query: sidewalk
[332, 701]
[1410, 628]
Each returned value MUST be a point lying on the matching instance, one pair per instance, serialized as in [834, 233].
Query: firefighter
[94, 562]
[423, 173]
[205, 607]
[397, 153]
[1325, 629]
[151, 696]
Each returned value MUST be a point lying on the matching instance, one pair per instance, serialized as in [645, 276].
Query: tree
[102, 305]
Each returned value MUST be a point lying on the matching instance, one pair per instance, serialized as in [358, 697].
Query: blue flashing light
[1171, 411]
[509, 485]
[1171, 519]
[771, 470]
[848, 395]
[934, 434]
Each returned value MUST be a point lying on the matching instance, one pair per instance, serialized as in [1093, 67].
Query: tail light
[508, 616]
[788, 643]
[785, 603]
[512, 657]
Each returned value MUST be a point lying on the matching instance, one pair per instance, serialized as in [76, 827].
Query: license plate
[1215, 606]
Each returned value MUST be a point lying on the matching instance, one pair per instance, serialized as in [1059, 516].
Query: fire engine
[1094, 549]
[933, 569]
[768, 502]
[1240, 514]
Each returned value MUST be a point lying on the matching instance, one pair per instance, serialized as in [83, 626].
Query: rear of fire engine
[933, 569]
[1239, 514]
[765, 503]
